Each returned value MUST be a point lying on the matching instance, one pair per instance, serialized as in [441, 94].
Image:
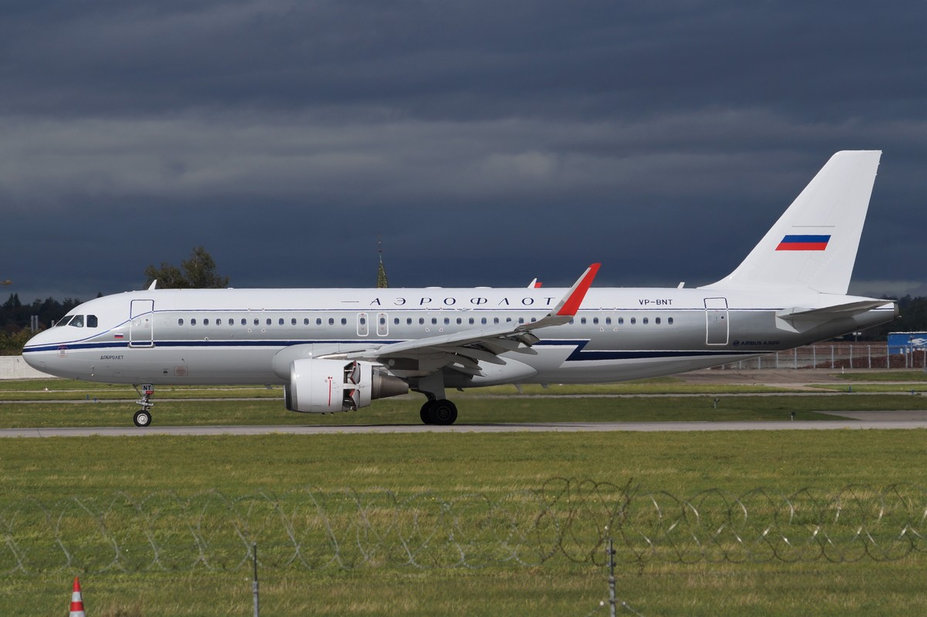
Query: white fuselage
[238, 336]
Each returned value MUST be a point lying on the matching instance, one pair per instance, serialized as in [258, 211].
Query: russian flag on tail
[803, 243]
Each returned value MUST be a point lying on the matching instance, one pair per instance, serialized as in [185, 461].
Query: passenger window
[280, 321]
[306, 321]
[344, 321]
[244, 322]
[206, 322]
[180, 321]
[193, 321]
[293, 321]
[331, 321]
[646, 321]
[633, 320]
[657, 321]
[621, 321]
[669, 320]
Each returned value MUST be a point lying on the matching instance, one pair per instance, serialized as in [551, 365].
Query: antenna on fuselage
[154, 285]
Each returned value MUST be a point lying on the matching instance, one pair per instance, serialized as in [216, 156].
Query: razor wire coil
[563, 519]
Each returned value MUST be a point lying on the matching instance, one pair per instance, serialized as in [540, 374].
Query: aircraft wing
[464, 350]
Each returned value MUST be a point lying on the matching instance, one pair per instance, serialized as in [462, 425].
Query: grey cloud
[483, 142]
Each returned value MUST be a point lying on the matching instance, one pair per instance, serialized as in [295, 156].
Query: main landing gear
[143, 416]
[439, 411]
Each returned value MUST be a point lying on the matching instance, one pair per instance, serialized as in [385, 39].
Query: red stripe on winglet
[582, 286]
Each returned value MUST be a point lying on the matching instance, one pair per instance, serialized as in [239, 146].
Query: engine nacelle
[326, 386]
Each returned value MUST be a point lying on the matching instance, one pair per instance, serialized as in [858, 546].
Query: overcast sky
[485, 143]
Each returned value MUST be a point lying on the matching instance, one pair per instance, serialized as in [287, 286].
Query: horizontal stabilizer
[799, 319]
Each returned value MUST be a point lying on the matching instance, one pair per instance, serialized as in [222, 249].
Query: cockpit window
[64, 321]
[77, 321]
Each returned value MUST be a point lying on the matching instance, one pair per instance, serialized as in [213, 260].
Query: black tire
[427, 413]
[443, 412]
[142, 418]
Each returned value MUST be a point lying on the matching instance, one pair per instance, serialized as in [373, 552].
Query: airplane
[336, 350]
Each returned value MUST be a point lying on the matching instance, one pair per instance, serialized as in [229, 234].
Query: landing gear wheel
[142, 417]
[427, 413]
[443, 412]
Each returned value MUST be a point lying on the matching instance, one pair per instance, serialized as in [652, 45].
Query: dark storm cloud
[486, 143]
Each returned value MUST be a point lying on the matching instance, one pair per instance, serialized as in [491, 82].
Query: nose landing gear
[143, 416]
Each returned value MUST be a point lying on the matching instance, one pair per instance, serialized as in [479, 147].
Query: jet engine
[327, 386]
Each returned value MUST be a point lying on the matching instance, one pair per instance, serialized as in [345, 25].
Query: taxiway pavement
[848, 420]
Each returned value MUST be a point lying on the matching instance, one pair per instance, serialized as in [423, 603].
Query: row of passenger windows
[331, 321]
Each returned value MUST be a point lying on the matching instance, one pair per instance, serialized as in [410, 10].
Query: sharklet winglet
[570, 303]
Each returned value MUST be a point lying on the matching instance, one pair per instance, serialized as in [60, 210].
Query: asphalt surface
[881, 420]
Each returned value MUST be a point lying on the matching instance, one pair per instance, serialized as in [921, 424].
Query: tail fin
[813, 244]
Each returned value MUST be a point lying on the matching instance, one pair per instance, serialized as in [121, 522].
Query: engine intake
[327, 386]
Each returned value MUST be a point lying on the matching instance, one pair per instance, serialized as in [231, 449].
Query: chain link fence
[834, 356]
[562, 520]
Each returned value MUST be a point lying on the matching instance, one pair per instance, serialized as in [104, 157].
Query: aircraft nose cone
[32, 354]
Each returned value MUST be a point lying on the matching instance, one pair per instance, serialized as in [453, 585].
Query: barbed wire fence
[564, 519]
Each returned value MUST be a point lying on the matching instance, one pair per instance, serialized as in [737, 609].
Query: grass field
[95, 469]
[53, 472]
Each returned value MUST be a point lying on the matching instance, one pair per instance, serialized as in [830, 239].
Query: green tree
[198, 272]
[382, 281]
[12, 342]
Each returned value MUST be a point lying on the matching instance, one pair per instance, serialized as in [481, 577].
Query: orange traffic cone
[77, 602]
